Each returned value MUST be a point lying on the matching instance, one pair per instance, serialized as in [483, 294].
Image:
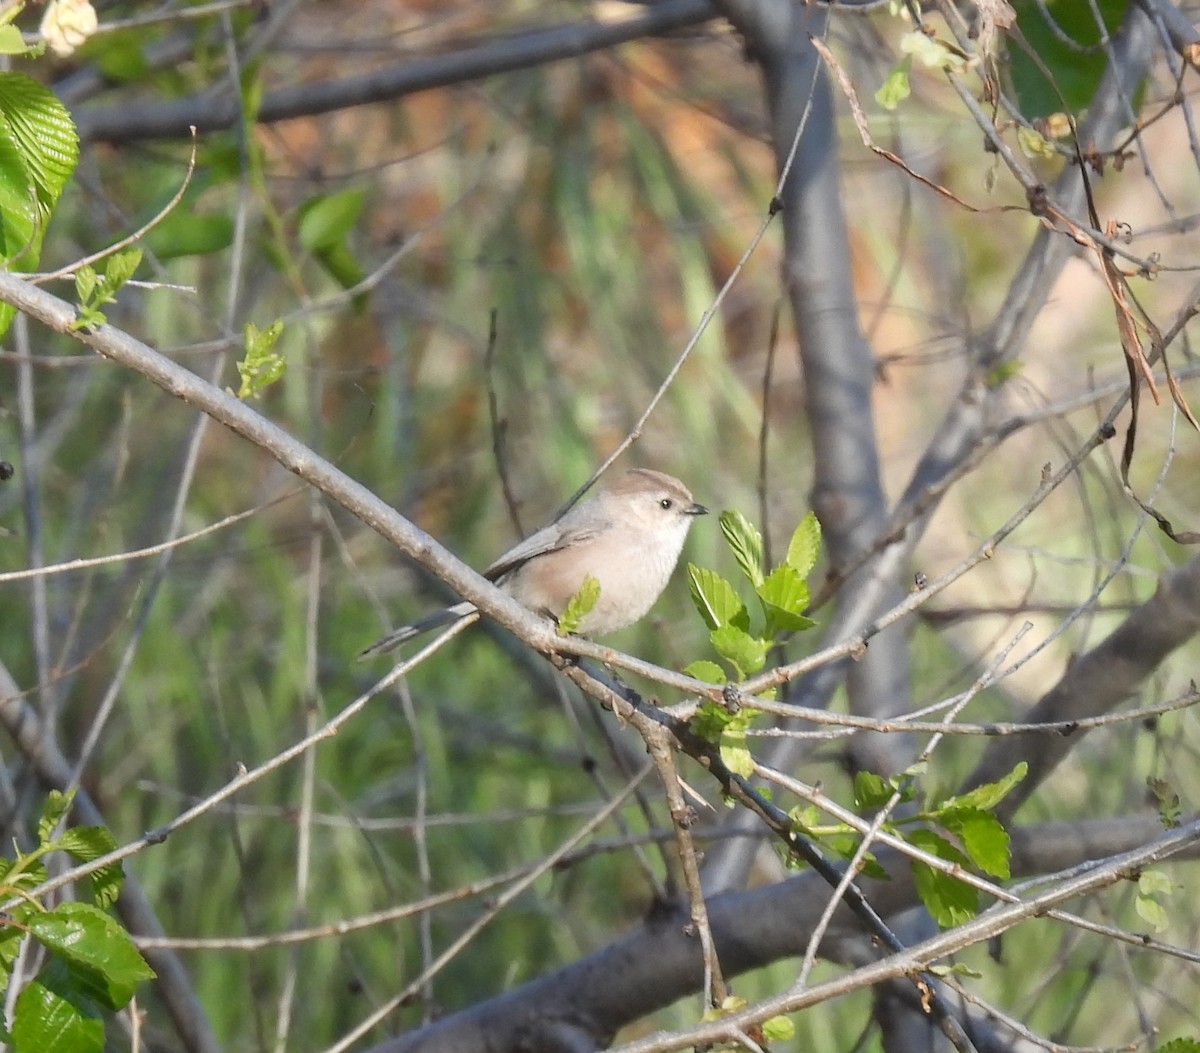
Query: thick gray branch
[1100, 681]
[174, 119]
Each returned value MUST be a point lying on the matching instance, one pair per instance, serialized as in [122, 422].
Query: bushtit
[628, 537]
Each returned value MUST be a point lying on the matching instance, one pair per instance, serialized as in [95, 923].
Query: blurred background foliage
[593, 207]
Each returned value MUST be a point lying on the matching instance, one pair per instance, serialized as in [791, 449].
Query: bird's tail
[406, 632]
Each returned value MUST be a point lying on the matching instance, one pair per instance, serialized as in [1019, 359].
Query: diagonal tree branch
[537, 47]
[1100, 680]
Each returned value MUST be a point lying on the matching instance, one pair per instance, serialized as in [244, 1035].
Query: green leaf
[778, 1029]
[1155, 883]
[745, 542]
[1153, 886]
[189, 234]
[102, 959]
[734, 751]
[52, 1015]
[846, 845]
[326, 220]
[715, 599]
[18, 200]
[118, 269]
[703, 669]
[53, 812]
[747, 653]
[895, 89]
[261, 366]
[1179, 1045]
[39, 128]
[805, 546]
[870, 791]
[342, 265]
[85, 284]
[784, 597]
[579, 605]
[931, 52]
[983, 838]
[987, 796]
[1076, 71]
[804, 818]
[11, 41]
[85, 843]
[710, 721]
[949, 901]
[738, 759]
[1170, 807]
[1152, 913]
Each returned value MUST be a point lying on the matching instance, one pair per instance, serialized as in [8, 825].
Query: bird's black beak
[695, 510]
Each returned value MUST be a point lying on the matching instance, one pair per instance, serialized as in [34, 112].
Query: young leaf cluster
[95, 289]
[960, 830]
[578, 606]
[262, 365]
[782, 595]
[91, 963]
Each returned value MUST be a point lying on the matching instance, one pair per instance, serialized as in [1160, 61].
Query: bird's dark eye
[666, 503]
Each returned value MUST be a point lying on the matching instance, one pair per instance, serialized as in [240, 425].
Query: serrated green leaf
[710, 721]
[43, 132]
[52, 1015]
[53, 812]
[747, 653]
[119, 268]
[703, 669]
[949, 901]
[261, 366]
[804, 817]
[102, 959]
[784, 596]
[745, 542]
[989, 795]
[716, 599]
[85, 843]
[870, 791]
[1179, 1045]
[327, 219]
[579, 606]
[983, 838]
[19, 222]
[85, 284]
[738, 759]
[805, 546]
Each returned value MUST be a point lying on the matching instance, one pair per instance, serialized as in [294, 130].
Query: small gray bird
[628, 537]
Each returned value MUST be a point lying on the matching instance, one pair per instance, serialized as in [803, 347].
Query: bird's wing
[550, 538]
